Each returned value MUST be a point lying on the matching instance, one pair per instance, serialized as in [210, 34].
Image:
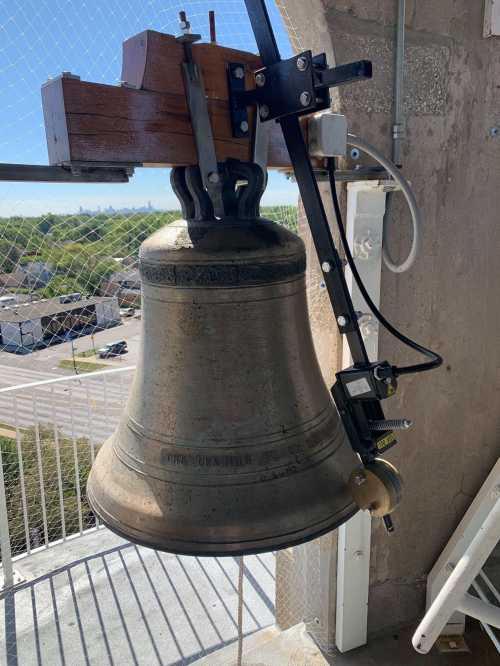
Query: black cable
[436, 359]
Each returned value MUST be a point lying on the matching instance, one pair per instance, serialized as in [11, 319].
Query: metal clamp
[200, 120]
[298, 85]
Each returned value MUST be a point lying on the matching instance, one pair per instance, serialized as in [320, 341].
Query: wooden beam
[146, 119]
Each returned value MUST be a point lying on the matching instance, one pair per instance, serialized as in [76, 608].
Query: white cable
[416, 216]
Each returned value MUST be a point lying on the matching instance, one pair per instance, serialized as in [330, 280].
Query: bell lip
[233, 549]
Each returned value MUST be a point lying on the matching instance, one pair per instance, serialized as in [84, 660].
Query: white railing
[459, 568]
[49, 432]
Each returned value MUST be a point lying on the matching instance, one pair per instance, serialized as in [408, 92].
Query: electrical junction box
[327, 135]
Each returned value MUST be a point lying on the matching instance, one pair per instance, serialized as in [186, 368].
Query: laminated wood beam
[145, 120]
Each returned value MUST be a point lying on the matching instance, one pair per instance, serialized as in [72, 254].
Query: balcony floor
[100, 600]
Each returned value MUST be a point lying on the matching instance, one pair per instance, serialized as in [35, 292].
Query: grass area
[86, 353]
[82, 366]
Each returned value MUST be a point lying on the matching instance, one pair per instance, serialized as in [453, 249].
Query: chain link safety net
[70, 290]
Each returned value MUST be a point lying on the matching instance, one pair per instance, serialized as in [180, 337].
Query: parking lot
[44, 363]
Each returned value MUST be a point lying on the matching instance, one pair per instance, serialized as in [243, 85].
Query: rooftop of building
[46, 307]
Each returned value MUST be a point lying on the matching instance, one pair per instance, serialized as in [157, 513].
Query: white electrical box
[327, 135]
[491, 18]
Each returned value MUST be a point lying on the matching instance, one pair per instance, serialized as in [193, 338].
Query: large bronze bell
[230, 442]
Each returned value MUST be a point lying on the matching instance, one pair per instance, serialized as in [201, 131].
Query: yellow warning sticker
[386, 441]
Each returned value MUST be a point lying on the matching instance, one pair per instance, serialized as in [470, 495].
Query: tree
[9, 256]
[69, 481]
[61, 284]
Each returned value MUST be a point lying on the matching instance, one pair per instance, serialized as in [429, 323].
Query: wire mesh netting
[68, 269]
[68, 252]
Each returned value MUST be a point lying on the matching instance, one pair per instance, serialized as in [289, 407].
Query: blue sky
[41, 38]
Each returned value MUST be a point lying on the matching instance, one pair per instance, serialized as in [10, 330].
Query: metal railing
[49, 433]
[459, 569]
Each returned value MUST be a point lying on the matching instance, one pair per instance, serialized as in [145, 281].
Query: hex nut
[305, 98]
[260, 79]
[264, 111]
[301, 63]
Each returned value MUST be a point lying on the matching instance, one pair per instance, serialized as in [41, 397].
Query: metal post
[365, 214]
[8, 572]
[398, 128]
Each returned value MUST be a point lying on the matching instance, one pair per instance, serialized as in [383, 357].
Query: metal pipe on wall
[398, 128]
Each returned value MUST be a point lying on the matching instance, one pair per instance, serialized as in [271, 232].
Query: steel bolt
[244, 126]
[449, 567]
[359, 479]
[264, 111]
[325, 267]
[342, 321]
[358, 554]
[213, 177]
[238, 72]
[260, 79]
[305, 98]
[301, 64]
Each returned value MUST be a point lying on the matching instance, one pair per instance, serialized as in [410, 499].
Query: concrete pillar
[449, 300]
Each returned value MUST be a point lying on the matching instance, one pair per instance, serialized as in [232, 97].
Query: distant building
[109, 210]
[126, 286]
[38, 274]
[38, 324]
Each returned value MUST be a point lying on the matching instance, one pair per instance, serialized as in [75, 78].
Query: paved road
[87, 407]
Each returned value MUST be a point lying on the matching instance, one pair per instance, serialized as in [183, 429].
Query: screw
[358, 554]
[213, 177]
[342, 321]
[449, 567]
[301, 64]
[264, 111]
[305, 98]
[238, 72]
[325, 267]
[260, 79]
[359, 479]
[494, 131]
[496, 492]
[244, 126]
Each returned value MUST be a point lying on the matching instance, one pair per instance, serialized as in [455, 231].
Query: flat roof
[46, 308]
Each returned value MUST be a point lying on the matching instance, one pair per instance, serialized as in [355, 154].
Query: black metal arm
[285, 90]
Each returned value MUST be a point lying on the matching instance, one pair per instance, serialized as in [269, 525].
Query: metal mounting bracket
[284, 91]
[299, 85]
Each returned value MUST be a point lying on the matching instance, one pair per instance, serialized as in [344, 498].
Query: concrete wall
[450, 298]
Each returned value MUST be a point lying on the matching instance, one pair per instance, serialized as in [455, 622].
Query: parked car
[113, 349]
[127, 312]
[70, 298]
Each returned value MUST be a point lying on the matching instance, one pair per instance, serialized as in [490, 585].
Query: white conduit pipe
[416, 216]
